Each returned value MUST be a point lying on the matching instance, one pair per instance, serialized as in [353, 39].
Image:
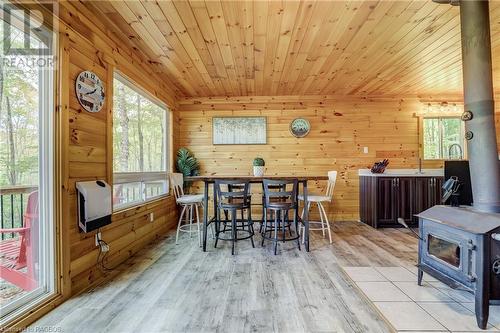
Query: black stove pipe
[479, 101]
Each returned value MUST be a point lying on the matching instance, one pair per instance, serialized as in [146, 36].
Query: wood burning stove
[461, 247]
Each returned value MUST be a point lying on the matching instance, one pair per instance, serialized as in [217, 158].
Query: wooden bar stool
[324, 224]
[280, 197]
[189, 204]
[233, 196]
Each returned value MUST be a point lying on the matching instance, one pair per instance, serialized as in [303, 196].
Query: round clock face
[300, 127]
[90, 91]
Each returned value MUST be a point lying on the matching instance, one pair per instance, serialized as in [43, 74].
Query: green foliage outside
[139, 139]
[439, 135]
[19, 128]
[19, 108]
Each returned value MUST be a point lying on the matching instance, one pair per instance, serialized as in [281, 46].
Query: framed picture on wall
[239, 130]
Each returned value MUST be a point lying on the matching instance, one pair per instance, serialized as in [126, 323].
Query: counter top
[403, 173]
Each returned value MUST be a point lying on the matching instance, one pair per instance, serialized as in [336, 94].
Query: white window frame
[122, 178]
[46, 169]
[441, 148]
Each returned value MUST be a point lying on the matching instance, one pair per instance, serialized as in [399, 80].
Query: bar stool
[263, 204]
[233, 196]
[189, 204]
[232, 188]
[280, 196]
[318, 200]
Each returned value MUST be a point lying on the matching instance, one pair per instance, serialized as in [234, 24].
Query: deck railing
[129, 193]
[13, 201]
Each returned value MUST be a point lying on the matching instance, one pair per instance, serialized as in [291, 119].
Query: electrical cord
[102, 257]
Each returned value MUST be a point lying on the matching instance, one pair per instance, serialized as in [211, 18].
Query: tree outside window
[139, 144]
[441, 133]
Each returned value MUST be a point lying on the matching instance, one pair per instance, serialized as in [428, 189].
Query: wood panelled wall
[340, 128]
[86, 145]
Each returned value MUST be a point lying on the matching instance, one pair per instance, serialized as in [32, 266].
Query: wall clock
[90, 91]
[300, 127]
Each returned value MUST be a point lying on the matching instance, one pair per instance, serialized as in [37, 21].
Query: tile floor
[432, 307]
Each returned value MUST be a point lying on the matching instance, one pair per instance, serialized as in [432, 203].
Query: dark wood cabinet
[385, 199]
[405, 198]
[428, 192]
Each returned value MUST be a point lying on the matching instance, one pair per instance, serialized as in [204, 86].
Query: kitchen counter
[397, 193]
[403, 173]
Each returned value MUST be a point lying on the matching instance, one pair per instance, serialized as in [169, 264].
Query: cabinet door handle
[397, 181]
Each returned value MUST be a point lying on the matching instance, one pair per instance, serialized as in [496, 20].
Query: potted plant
[258, 167]
[188, 165]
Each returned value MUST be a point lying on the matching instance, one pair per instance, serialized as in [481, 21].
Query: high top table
[211, 180]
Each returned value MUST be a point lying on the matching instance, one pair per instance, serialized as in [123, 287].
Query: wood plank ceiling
[240, 48]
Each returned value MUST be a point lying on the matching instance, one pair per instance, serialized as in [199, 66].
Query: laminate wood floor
[178, 288]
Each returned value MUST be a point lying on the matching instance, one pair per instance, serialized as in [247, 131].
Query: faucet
[450, 150]
[419, 172]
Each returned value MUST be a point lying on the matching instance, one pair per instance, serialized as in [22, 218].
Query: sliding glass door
[26, 161]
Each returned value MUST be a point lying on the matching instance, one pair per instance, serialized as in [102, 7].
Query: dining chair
[233, 196]
[324, 223]
[190, 204]
[280, 197]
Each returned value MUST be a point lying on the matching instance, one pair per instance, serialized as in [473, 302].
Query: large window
[443, 138]
[140, 126]
[27, 274]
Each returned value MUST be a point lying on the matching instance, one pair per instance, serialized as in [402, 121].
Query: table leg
[205, 217]
[306, 217]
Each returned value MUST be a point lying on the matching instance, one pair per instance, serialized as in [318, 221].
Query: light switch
[365, 150]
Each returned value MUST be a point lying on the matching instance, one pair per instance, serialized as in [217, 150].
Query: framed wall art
[239, 130]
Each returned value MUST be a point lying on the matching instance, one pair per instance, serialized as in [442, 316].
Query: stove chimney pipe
[479, 101]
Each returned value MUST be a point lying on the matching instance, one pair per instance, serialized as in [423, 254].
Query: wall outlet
[97, 238]
[151, 217]
[365, 150]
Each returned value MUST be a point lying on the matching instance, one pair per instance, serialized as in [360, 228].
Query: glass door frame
[46, 248]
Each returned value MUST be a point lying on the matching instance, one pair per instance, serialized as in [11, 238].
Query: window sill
[442, 160]
[135, 205]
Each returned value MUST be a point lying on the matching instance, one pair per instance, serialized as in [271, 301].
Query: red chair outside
[17, 259]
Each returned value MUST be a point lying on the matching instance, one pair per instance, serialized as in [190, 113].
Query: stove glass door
[444, 250]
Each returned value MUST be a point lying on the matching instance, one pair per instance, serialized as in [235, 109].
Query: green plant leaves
[258, 161]
[187, 164]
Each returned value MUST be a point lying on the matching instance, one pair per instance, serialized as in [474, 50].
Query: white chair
[318, 200]
[189, 204]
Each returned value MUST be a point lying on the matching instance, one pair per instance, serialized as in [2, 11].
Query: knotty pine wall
[340, 128]
[86, 146]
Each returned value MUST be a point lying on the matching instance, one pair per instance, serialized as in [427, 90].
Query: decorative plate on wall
[89, 91]
[300, 127]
